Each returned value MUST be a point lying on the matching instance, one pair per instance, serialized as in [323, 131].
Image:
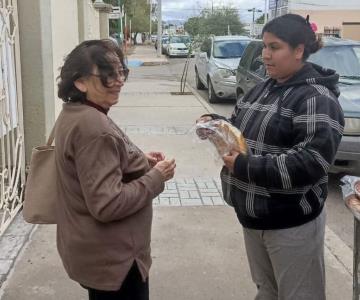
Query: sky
[182, 9]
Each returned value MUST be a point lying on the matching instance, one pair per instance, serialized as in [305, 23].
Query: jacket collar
[98, 107]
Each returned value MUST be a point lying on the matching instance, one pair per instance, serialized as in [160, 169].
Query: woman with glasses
[106, 183]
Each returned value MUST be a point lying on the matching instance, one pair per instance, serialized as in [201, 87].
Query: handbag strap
[52, 135]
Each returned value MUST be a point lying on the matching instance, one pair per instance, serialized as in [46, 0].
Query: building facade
[36, 35]
[331, 17]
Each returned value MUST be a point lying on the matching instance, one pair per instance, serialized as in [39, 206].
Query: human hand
[229, 160]
[203, 133]
[166, 168]
[154, 157]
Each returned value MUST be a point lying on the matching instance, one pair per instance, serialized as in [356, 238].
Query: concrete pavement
[197, 245]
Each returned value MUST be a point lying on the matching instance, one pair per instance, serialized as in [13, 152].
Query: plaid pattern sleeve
[317, 125]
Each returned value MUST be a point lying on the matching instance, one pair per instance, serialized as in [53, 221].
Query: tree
[217, 22]
[138, 11]
[260, 20]
[192, 26]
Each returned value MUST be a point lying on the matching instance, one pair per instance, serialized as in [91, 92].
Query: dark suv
[337, 54]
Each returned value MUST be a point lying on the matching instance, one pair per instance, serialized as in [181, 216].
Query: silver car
[216, 64]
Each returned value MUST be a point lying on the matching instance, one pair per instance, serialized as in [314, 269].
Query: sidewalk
[197, 244]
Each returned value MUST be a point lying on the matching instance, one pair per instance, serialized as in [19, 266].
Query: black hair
[80, 63]
[294, 30]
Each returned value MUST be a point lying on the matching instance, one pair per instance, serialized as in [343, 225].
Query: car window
[257, 64]
[180, 39]
[344, 59]
[229, 49]
[248, 55]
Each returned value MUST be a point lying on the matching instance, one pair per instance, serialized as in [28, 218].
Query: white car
[178, 45]
[216, 64]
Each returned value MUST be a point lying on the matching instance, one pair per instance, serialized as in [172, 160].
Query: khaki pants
[288, 264]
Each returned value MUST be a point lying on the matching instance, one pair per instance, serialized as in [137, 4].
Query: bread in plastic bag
[351, 194]
[224, 136]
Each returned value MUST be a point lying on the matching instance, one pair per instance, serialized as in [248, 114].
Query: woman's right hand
[166, 168]
[203, 133]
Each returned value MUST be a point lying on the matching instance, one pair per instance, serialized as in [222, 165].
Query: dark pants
[133, 288]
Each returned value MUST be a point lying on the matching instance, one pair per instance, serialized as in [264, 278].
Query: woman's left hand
[154, 157]
[229, 160]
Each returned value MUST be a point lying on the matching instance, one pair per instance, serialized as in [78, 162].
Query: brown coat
[106, 189]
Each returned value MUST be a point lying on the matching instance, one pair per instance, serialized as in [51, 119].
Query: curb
[200, 99]
[154, 63]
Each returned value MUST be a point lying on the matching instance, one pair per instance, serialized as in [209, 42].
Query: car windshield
[180, 39]
[229, 49]
[344, 59]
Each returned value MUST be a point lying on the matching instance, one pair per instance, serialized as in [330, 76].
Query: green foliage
[217, 23]
[260, 20]
[138, 11]
[192, 26]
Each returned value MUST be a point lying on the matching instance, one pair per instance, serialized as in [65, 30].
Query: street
[339, 219]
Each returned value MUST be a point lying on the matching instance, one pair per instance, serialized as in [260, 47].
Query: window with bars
[332, 31]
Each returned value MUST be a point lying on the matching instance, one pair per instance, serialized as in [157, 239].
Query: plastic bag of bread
[351, 194]
[224, 136]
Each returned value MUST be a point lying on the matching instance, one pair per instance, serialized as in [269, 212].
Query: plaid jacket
[293, 131]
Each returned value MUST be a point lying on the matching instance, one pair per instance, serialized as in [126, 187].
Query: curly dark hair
[294, 30]
[80, 63]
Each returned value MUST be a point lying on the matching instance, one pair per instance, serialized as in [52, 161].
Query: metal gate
[12, 163]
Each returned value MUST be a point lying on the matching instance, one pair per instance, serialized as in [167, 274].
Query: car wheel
[199, 84]
[211, 93]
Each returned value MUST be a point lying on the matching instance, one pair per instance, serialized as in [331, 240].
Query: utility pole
[159, 32]
[120, 21]
[253, 19]
[131, 42]
[266, 12]
[276, 7]
[150, 20]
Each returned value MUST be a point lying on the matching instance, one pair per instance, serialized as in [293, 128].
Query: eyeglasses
[119, 75]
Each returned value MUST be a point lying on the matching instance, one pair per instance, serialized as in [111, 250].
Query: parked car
[179, 45]
[164, 43]
[337, 54]
[216, 63]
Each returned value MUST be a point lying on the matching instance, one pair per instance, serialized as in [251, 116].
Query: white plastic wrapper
[351, 194]
[225, 137]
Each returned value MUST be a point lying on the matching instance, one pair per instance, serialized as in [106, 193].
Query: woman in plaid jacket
[293, 124]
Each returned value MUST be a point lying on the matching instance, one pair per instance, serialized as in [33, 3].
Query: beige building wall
[35, 36]
[49, 29]
[65, 37]
[352, 31]
[330, 18]
[89, 20]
